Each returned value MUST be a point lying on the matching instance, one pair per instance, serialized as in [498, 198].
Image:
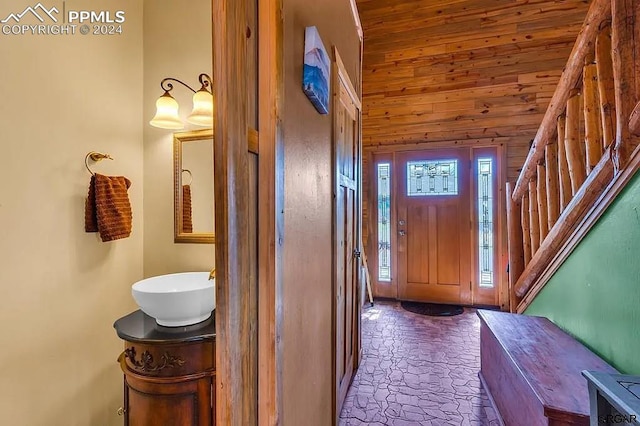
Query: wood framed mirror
[193, 187]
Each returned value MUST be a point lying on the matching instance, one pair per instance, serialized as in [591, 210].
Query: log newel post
[534, 217]
[515, 244]
[526, 228]
[592, 119]
[563, 166]
[553, 190]
[606, 88]
[542, 202]
[573, 145]
[624, 64]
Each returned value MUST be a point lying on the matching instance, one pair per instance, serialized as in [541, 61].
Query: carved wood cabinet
[169, 373]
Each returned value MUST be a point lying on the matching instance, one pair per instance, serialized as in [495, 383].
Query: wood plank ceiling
[451, 70]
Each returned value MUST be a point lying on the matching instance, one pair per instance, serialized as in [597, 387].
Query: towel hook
[95, 156]
[190, 175]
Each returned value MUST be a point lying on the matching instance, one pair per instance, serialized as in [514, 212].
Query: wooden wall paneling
[573, 144]
[515, 240]
[489, 72]
[236, 312]
[553, 187]
[468, 13]
[534, 218]
[622, 38]
[592, 119]
[598, 11]
[270, 210]
[606, 88]
[542, 201]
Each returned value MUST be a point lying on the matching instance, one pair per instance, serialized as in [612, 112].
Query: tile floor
[417, 370]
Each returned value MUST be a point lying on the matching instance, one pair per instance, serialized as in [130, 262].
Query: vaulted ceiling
[463, 69]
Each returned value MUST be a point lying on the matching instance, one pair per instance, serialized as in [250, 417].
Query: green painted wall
[595, 295]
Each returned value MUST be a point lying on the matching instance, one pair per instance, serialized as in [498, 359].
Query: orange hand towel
[187, 217]
[107, 209]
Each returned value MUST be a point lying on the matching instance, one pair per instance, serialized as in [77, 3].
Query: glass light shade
[202, 114]
[167, 113]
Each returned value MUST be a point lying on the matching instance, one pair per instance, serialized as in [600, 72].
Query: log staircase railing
[585, 140]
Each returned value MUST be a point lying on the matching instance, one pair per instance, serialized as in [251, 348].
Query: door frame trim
[371, 151]
[270, 209]
[235, 313]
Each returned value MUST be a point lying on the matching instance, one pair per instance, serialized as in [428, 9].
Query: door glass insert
[384, 222]
[485, 222]
[432, 177]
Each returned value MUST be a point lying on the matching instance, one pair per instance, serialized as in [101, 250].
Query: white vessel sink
[176, 300]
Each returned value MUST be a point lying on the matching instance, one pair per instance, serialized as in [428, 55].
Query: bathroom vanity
[169, 372]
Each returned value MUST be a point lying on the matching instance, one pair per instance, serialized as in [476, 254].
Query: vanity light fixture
[167, 107]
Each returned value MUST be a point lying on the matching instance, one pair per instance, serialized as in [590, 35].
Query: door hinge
[356, 253]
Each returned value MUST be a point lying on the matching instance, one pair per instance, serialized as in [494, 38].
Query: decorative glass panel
[384, 222]
[485, 221]
[435, 177]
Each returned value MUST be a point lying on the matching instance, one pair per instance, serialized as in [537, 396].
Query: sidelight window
[435, 177]
[384, 222]
[486, 236]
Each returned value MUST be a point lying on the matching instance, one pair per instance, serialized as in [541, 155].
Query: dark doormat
[432, 309]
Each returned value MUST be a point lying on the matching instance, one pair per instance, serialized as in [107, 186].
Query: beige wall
[62, 289]
[177, 43]
[307, 384]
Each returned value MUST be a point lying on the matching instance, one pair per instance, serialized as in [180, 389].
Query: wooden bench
[531, 370]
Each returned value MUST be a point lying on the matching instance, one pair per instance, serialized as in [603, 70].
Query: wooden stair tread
[550, 360]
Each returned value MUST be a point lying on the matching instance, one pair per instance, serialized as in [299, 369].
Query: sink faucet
[212, 274]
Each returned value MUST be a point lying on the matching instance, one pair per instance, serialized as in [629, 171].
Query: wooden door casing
[346, 147]
[434, 252]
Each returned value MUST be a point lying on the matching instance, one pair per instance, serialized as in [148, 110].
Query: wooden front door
[434, 226]
[346, 125]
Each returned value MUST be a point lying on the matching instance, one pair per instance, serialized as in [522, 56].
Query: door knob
[121, 411]
[402, 233]
[401, 222]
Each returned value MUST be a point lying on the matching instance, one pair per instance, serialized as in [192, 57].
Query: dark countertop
[140, 327]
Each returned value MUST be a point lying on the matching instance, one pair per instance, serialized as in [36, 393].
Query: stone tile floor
[417, 370]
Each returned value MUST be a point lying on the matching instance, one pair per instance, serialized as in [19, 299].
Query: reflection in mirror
[193, 186]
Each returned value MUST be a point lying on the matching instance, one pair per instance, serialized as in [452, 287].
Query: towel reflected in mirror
[187, 215]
